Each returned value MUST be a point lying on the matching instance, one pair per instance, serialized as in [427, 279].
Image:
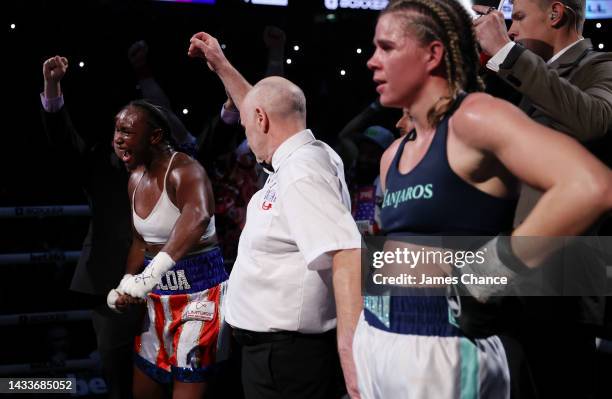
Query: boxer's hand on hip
[497, 258]
[140, 284]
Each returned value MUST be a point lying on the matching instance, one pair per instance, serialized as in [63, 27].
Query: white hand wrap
[113, 295]
[111, 299]
[139, 285]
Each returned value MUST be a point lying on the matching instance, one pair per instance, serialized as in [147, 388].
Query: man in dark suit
[103, 257]
[567, 86]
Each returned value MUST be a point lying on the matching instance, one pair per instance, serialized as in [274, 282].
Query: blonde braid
[468, 48]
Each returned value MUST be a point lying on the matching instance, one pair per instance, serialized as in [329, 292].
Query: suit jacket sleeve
[583, 112]
[62, 135]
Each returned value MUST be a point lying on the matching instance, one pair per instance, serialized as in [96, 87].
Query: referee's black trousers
[290, 365]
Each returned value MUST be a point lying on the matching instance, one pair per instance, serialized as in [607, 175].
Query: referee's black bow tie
[267, 167]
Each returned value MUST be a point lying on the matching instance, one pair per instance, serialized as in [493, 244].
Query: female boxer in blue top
[459, 176]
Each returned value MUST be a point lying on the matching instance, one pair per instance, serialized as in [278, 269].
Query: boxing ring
[61, 257]
[38, 320]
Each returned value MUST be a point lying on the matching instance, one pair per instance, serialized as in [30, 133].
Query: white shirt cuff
[52, 104]
[499, 57]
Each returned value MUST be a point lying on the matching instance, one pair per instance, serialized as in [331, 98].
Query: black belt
[248, 338]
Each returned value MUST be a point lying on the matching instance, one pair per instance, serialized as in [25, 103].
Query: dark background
[98, 33]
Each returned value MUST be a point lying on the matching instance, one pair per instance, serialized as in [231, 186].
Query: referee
[299, 245]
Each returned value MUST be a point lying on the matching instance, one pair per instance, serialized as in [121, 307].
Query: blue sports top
[432, 200]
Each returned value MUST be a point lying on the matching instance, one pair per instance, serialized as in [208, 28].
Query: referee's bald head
[279, 98]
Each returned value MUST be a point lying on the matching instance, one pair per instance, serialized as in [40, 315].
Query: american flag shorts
[181, 331]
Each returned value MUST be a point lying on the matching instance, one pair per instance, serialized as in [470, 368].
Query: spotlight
[288, 61]
[598, 25]
[185, 111]
[358, 51]
[13, 26]
[296, 48]
[342, 72]
[81, 64]
[600, 46]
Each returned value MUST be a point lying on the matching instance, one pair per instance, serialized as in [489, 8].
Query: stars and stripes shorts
[181, 338]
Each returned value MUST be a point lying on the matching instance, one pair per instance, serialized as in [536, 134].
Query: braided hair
[448, 22]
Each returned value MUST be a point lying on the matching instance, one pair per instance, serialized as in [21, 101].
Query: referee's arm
[347, 291]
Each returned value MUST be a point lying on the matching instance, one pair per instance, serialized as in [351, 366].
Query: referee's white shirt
[281, 279]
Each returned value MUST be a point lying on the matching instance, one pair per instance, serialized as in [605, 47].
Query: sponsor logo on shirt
[416, 192]
[269, 198]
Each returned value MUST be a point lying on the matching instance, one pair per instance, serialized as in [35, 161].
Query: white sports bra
[156, 228]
